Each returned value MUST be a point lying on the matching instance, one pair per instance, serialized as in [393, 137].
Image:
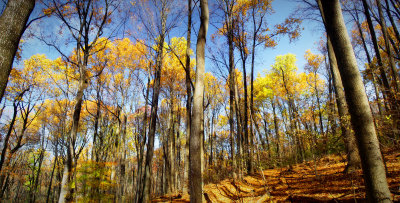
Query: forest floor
[322, 180]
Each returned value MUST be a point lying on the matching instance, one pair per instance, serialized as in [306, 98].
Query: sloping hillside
[313, 181]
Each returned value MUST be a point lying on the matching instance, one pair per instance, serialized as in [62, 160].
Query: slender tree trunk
[356, 19]
[276, 126]
[392, 65]
[241, 141]
[171, 148]
[36, 180]
[212, 135]
[67, 192]
[253, 50]
[51, 180]
[96, 123]
[197, 133]
[321, 124]
[231, 100]
[139, 176]
[396, 6]
[13, 22]
[248, 140]
[188, 99]
[331, 112]
[122, 159]
[266, 130]
[392, 22]
[8, 135]
[361, 116]
[386, 87]
[145, 196]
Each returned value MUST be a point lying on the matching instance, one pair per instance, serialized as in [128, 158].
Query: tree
[361, 116]
[353, 157]
[197, 133]
[285, 68]
[13, 22]
[92, 18]
[188, 98]
[164, 8]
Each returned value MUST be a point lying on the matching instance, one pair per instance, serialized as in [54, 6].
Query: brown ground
[299, 184]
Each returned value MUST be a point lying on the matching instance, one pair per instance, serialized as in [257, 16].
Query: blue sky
[264, 57]
[308, 39]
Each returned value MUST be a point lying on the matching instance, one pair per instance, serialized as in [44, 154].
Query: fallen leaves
[321, 180]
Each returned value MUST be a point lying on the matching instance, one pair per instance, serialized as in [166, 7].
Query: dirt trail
[300, 183]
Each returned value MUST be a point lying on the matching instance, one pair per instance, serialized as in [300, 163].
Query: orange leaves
[243, 6]
[313, 61]
[291, 27]
[47, 11]
[268, 41]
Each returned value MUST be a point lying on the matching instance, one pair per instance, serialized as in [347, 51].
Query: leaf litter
[322, 180]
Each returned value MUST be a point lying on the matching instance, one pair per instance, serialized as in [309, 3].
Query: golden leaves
[313, 61]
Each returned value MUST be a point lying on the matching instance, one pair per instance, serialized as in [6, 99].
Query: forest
[189, 101]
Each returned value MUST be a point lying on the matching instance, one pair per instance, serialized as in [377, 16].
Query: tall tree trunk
[188, 99]
[241, 141]
[321, 124]
[356, 19]
[36, 179]
[12, 25]
[9, 131]
[392, 65]
[51, 180]
[256, 29]
[145, 196]
[231, 98]
[122, 159]
[386, 87]
[67, 192]
[248, 140]
[197, 133]
[392, 22]
[95, 156]
[143, 132]
[171, 148]
[353, 157]
[211, 140]
[396, 7]
[276, 126]
[331, 111]
[266, 132]
[361, 116]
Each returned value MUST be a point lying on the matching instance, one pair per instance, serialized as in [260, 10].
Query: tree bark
[361, 116]
[197, 133]
[12, 25]
[353, 157]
